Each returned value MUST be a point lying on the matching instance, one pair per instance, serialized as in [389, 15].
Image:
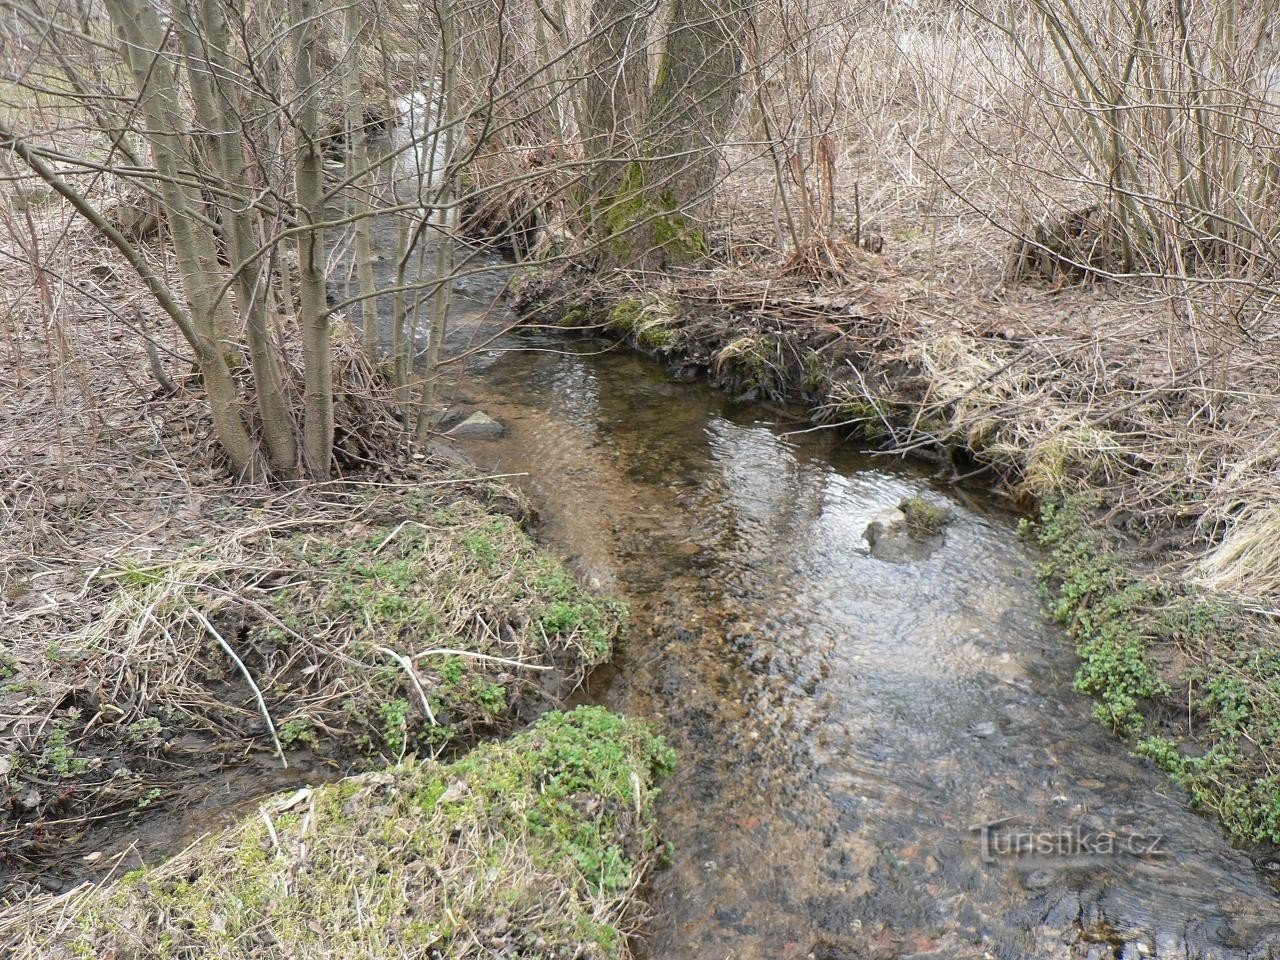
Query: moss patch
[637, 222]
[532, 848]
[924, 518]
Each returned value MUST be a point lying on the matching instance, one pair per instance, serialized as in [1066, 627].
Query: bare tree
[271, 136]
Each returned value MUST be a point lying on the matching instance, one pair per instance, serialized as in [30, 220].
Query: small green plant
[482, 548]
[297, 733]
[494, 698]
[144, 732]
[148, 798]
[923, 518]
[395, 725]
[59, 757]
[452, 670]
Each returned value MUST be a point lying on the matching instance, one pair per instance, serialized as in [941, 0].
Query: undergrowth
[378, 624]
[1210, 716]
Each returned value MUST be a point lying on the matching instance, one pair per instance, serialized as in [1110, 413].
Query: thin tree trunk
[317, 401]
[359, 173]
[208, 70]
[139, 28]
[444, 202]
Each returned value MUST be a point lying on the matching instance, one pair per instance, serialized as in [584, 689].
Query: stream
[865, 746]
[877, 760]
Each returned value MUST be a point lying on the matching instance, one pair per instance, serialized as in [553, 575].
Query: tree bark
[313, 315]
[649, 210]
[697, 87]
[359, 173]
[444, 202]
[218, 110]
[614, 92]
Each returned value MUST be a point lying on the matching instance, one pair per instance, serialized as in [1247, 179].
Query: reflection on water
[844, 723]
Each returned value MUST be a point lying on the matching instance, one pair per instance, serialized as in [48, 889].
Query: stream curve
[877, 760]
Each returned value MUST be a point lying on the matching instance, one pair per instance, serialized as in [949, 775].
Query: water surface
[844, 723]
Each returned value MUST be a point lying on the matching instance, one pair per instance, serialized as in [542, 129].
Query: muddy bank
[294, 638]
[529, 847]
[1180, 671]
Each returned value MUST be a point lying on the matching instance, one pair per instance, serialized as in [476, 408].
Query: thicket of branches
[246, 159]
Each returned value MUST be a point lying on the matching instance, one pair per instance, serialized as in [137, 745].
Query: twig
[262, 704]
[406, 665]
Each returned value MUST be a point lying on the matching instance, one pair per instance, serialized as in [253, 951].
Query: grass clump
[923, 518]
[1190, 678]
[458, 597]
[648, 321]
[533, 847]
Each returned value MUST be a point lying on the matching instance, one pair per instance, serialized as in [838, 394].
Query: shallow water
[844, 723]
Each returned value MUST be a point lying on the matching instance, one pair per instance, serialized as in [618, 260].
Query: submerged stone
[479, 424]
[893, 540]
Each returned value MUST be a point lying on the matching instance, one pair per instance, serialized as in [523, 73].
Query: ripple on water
[843, 723]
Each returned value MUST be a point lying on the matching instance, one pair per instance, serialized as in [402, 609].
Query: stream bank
[286, 639]
[1182, 672]
[528, 847]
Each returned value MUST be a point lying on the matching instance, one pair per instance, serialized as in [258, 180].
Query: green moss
[635, 220]
[647, 322]
[532, 847]
[863, 418]
[626, 315]
[655, 337]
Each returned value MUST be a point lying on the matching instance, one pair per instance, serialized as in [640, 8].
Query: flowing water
[847, 726]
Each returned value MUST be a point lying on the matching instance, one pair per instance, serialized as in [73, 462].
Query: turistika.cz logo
[999, 839]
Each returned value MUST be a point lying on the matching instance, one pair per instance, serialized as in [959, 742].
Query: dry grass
[159, 619]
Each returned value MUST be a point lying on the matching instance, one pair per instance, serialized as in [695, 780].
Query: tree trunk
[614, 90]
[313, 314]
[444, 200]
[139, 28]
[361, 178]
[649, 211]
[693, 100]
[218, 110]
